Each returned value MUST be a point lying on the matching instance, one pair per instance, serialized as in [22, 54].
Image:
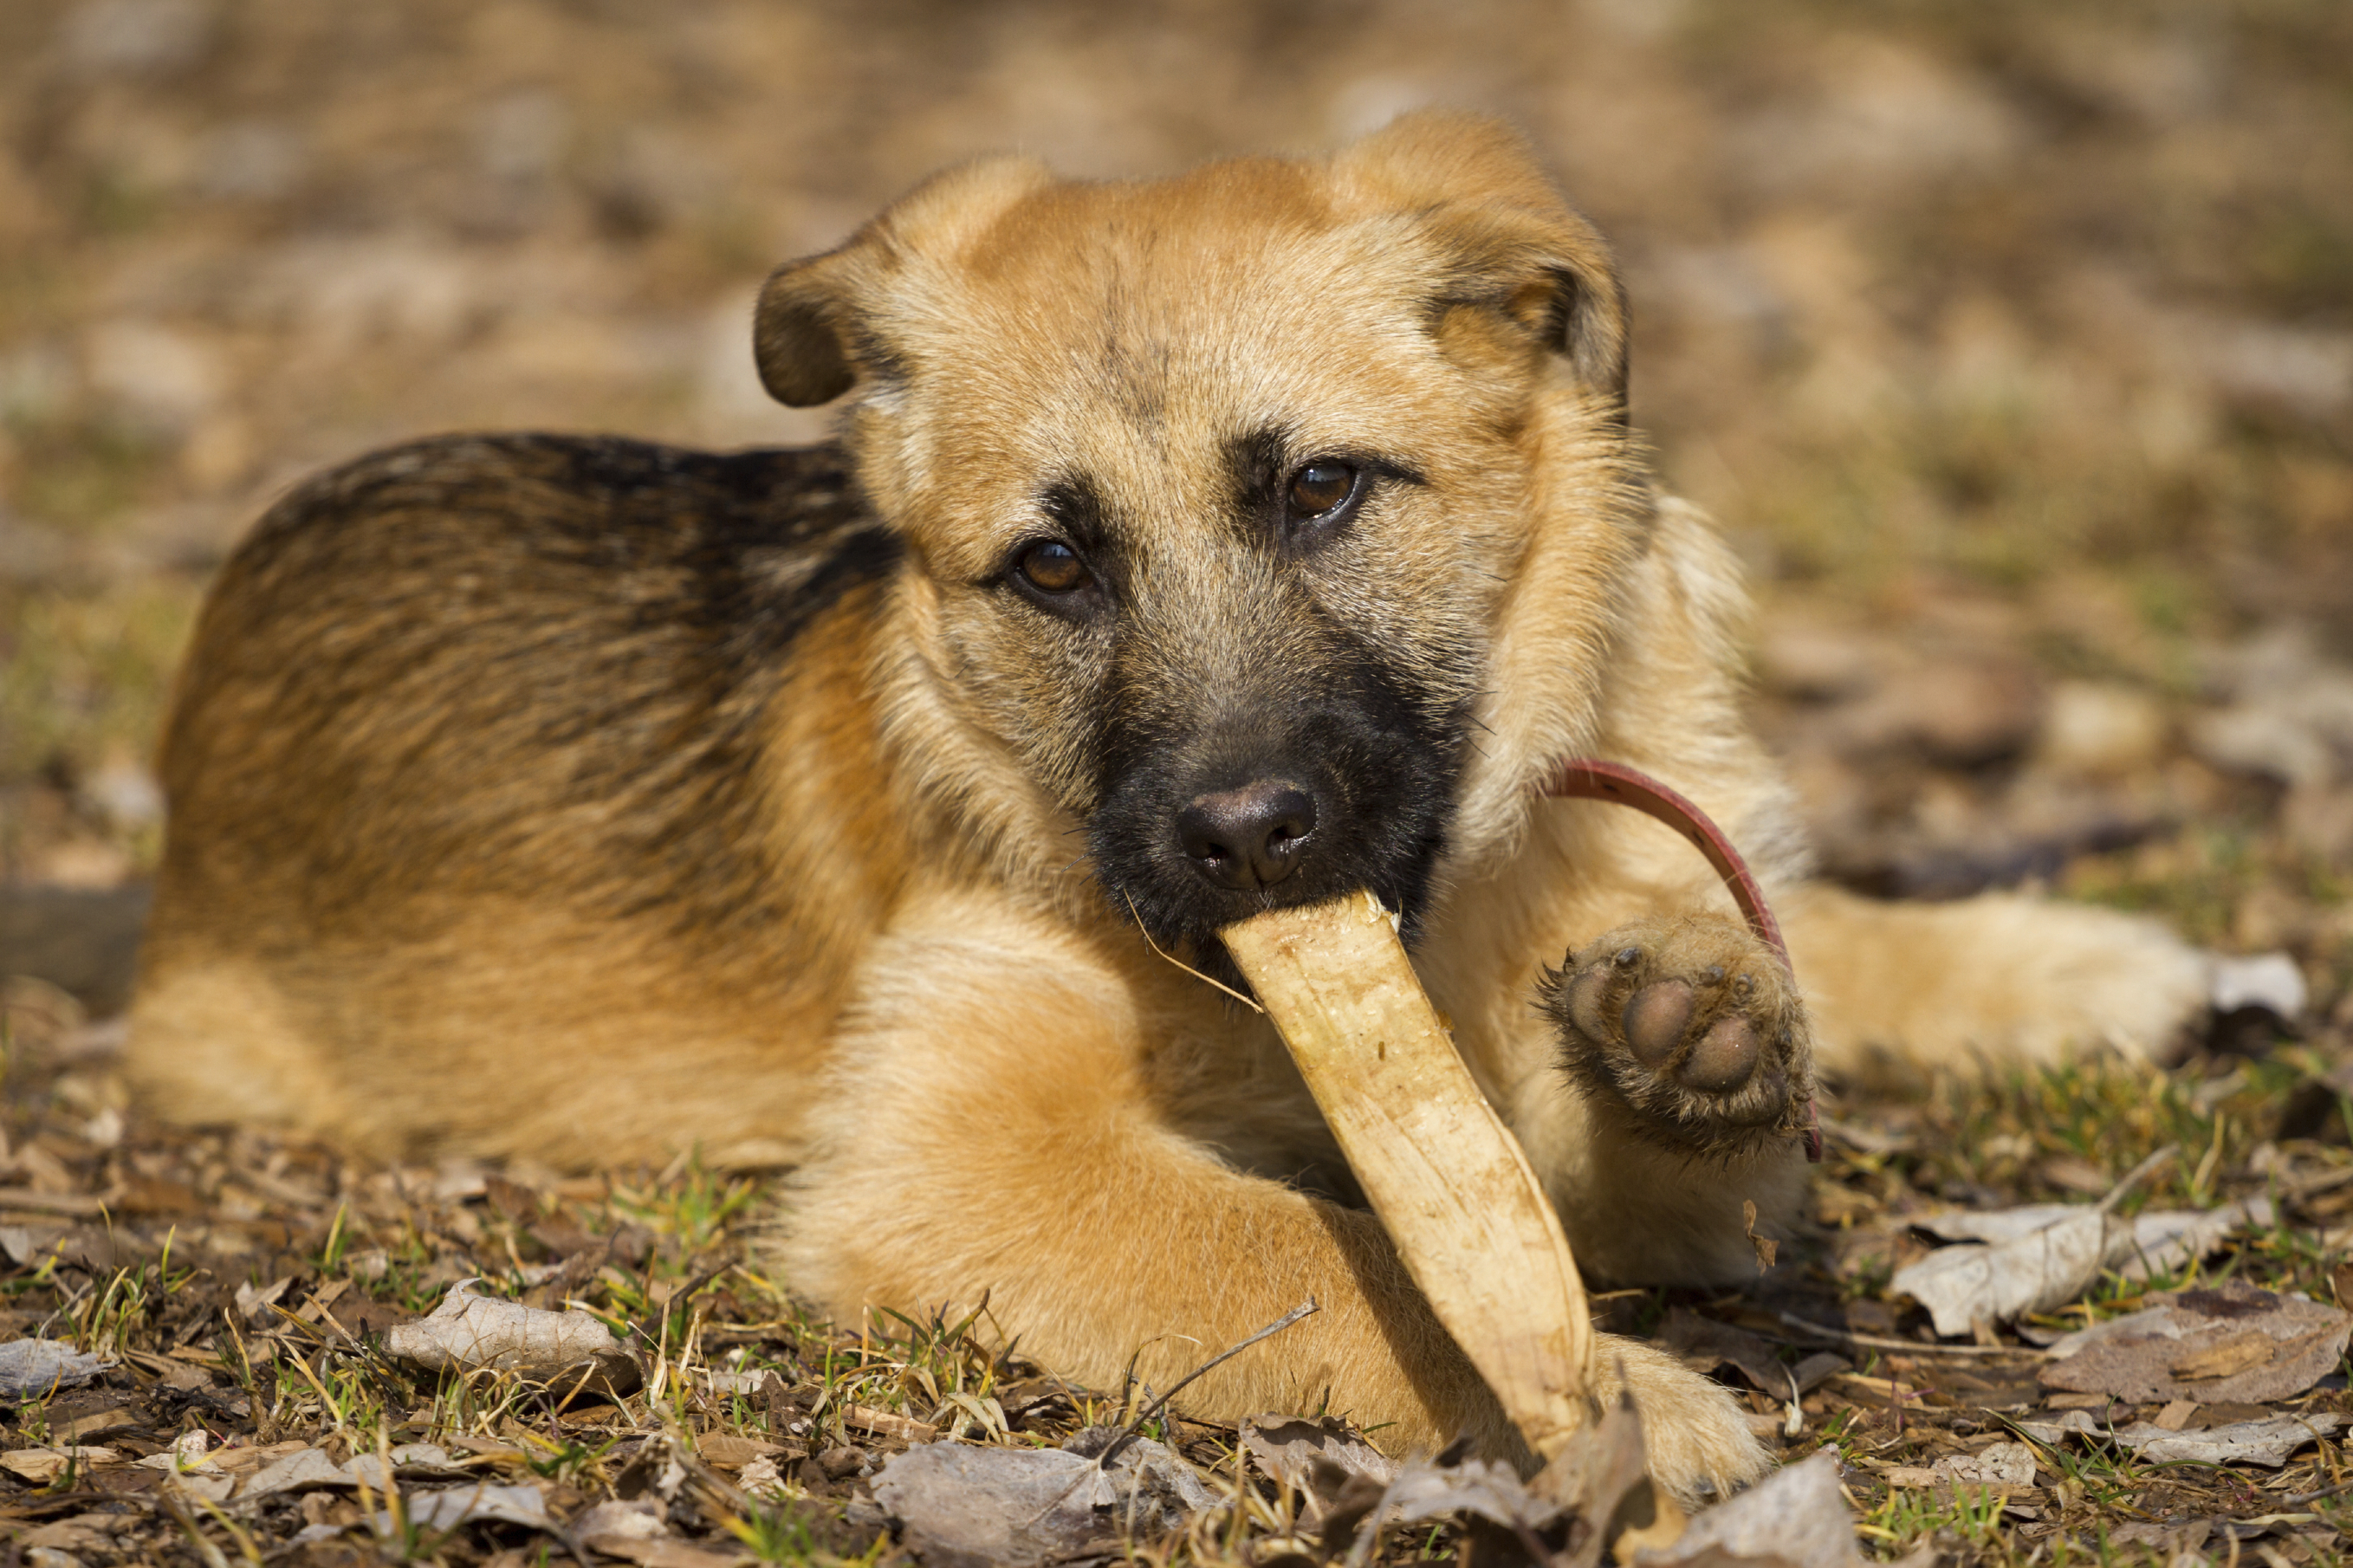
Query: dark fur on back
[583, 637]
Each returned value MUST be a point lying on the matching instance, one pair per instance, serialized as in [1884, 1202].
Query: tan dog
[1193, 546]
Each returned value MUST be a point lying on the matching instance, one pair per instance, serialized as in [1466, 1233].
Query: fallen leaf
[2040, 1256]
[664, 1554]
[2169, 1539]
[2047, 1266]
[2279, 1345]
[2225, 1357]
[1795, 1517]
[99, 1424]
[883, 1424]
[1315, 1458]
[1766, 1249]
[37, 1366]
[82, 1532]
[187, 1455]
[302, 1468]
[760, 1479]
[724, 1384]
[1603, 1474]
[466, 1333]
[1491, 1492]
[42, 1466]
[1999, 1464]
[410, 1462]
[1025, 1506]
[236, 1461]
[254, 1305]
[2054, 1432]
[730, 1452]
[1706, 1344]
[2166, 1242]
[640, 1519]
[446, 1510]
[211, 1486]
[2267, 1442]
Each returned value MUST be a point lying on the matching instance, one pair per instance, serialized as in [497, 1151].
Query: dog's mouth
[1187, 851]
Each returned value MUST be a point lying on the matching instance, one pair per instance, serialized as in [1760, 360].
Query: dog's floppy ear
[1474, 185]
[812, 332]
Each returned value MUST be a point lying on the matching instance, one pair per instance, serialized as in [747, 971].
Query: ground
[2012, 344]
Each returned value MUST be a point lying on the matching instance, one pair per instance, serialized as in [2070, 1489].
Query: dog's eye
[1052, 567]
[1321, 487]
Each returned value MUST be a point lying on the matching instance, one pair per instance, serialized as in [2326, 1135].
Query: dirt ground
[2011, 344]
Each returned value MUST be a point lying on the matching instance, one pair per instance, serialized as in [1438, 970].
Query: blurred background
[2011, 342]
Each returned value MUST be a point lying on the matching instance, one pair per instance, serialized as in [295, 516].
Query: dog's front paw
[1691, 1022]
[1695, 1437]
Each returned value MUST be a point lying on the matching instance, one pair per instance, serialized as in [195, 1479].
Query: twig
[1883, 1342]
[2303, 1500]
[1186, 967]
[2133, 1177]
[1111, 1450]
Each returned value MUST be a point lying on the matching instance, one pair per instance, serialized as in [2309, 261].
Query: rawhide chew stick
[1447, 1177]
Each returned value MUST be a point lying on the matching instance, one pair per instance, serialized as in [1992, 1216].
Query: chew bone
[1445, 1174]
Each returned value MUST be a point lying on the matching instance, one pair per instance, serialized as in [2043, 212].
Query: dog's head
[1227, 500]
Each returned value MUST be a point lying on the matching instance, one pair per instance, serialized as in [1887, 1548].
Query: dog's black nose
[1247, 837]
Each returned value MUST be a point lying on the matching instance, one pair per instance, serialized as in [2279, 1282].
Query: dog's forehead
[1136, 330]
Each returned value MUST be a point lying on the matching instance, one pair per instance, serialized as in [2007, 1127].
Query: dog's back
[477, 749]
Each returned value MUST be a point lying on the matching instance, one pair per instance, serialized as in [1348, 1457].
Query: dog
[1190, 547]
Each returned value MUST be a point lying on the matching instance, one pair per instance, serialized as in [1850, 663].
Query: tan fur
[752, 820]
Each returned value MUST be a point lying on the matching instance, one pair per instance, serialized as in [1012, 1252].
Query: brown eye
[1319, 487]
[1053, 568]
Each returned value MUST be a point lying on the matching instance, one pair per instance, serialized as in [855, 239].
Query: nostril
[1247, 837]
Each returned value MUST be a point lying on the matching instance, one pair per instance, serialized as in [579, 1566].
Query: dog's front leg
[993, 1129]
[1691, 1052]
[997, 1127]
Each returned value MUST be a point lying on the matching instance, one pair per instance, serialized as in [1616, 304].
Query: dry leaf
[2046, 1268]
[606, 1525]
[1026, 1506]
[1603, 1476]
[410, 1462]
[730, 1452]
[746, 1384]
[2224, 1357]
[303, 1468]
[2278, 1346]
[255, 1305]
[469, 1332]
[1795, 1517]
[92, 1532]
[446, 1510]
[36, 1366]
[1766, 1248]
[2266, 1442]
[883, 1424]
[2042, 1255]
[187, 1454]
[42, 1466]
[1315, 1458]
[2002, 1465]
[666, 1554]
[1480, 1487]
[1706, 1344]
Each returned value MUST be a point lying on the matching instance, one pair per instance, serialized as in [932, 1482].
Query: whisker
[1181, 964]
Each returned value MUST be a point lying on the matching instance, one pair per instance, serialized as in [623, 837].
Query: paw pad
[1693, 1024]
